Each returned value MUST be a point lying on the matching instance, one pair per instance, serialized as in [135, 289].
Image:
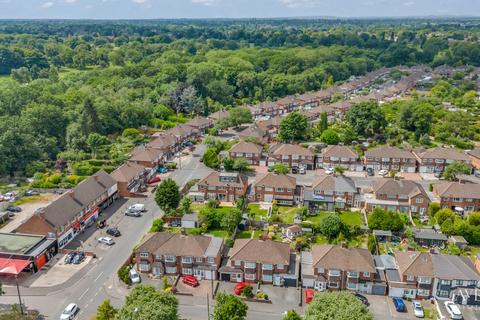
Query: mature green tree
[210, 158]
[229, 307]
[240, 164]
[239, 115]
[385, 220]
[186, 205]
[474, 219]
[95, 141]
[338, 306]
[167, 195]
[292, 315]
[366, 118]
[280, 168]
[331, 226]
[106, 311]
[157, 225]
[330, 136]
[231, 219]
[144, 302]
[323, 122]
[293, 127]
[433, 208]
[443, 215]
[455, 169]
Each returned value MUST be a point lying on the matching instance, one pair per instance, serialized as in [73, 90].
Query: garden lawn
[244, 234]
[287, 214]
[219, 233]
[257, 214]
[353, 219]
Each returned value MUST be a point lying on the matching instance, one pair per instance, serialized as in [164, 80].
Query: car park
[309, 294]
[114, 232]
[418, 309]
[106, 240]
[239, 288]
[191, 281]
[383, 172]
[362, 298]
[70, 312]
[14, 209]
[133, 213]
[399, 304]
[154, 180]
[453, 310]
[134, 276]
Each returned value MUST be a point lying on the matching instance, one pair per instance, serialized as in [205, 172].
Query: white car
[140, 207]
[383, 172]
[134, 276]
[453, 310]
[418, 309]
[329, 171]
[70, 311]
[106, 240]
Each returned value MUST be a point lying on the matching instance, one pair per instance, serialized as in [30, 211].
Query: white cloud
[207, 2]
[70, 1]
[408, 3]
[139, 1]
[47, 4]
[300, 3]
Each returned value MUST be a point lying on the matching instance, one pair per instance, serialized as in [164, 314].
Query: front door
[198, 273]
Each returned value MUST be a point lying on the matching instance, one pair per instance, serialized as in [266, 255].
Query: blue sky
[148, 9]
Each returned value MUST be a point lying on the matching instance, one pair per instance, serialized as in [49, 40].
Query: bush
[157, 225]
[123, 274]
[34, 167]
[247, 292]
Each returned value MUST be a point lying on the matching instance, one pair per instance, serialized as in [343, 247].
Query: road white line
[98, 277]
[83, 294]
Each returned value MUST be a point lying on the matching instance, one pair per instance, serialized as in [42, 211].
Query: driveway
[383, 309]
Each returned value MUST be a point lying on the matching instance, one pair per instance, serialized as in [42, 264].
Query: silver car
[418, 309]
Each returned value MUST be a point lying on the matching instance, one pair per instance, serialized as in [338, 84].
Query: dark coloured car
[362, 299]
[69, 257]
[79, 256]
[14, 209]
[370, 172]
[399, 305]
[32, 193]
[114, 232]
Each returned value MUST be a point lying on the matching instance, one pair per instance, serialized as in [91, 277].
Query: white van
[140, 207]
[70, 311]
[134, 276]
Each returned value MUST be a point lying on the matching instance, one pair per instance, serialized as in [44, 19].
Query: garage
[289, 282]
[395, 292]
[225, 276]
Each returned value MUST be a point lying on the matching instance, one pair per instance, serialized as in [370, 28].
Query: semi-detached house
[339, 156]
[251, 152]
[223, 186]
[163, 253]
[461, 197]
[390, 158]
[437, 159]
[276, 187]
[292, 155]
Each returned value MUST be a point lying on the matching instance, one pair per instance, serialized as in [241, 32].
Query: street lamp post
[19, 297]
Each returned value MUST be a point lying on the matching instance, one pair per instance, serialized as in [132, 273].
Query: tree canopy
[336, 305]
[293, 127]
[229, 307]
[167, 195]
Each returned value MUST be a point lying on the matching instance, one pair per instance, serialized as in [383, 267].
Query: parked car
[418, 309]
[31, 192]
[303, 170]
[239, 288]
[114, 232]
[154, 180]
[69, 257]
[294, 170]
[383, 172]
[106, 240]
[133, 213]
[370, 172]
[329, 171]
[70, 312]
[399, 304]
[9, 196]
[309, 294]
[14, 209]
[138, 207]
[191, 281]
[438, 175]
[134, 276]
[79, 257]
[162, 170]
[453, 310]
[362, 298]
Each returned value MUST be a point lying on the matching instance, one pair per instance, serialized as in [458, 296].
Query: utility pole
[208, 308]
[19, 297]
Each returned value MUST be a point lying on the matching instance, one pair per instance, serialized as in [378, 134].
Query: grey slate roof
[454, 267]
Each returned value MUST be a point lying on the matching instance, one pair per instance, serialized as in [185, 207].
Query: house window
[186, 259]
[238, 263]
[352, 274]
[366, 274]
[280, 189]
[199, 259]
[267, 266]
[333, 284]
[442, 293]
[187, 271]
[424, 280]
[457, 199]
[249, 276]
[250, 265]
[144, 254]
[267, 277]
[321, 270]
[170, 270]
[211, 260]
[423, 292]
[169, 258]
[446, 282]
[410, 278]
[144, 267]
[351, 286]
[419, 200]
[334, 273]
[459, 283]
[468, 200]
[280, 266]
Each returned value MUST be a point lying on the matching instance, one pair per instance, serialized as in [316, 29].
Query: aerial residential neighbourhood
[223, 160]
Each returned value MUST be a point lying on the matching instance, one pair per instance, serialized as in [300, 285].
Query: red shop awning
[12, 266]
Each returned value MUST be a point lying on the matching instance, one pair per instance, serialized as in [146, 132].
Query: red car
[154, 180]
[309, 293]
[239, 288]
[191, 281]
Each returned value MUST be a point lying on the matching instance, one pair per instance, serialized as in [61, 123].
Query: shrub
[157, 225]
[247, 292]
[123, 274]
